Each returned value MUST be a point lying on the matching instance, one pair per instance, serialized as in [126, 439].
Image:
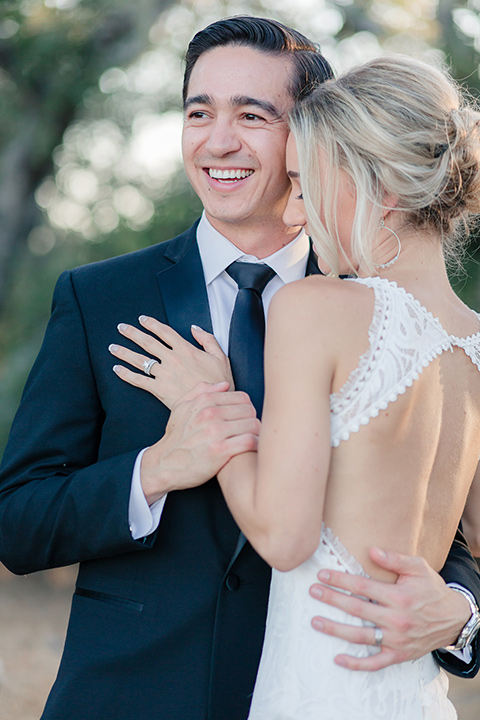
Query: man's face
[234, 137]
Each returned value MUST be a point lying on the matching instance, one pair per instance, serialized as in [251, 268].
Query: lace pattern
[298, 678]
[404, 338]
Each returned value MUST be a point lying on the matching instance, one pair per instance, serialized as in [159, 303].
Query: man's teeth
[229, 174]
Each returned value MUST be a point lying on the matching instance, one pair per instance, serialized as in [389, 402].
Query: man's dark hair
[266, 35]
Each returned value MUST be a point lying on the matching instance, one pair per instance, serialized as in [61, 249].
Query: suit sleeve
[58, 503]
[461, 568]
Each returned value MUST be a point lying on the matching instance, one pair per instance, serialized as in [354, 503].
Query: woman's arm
[277, 496]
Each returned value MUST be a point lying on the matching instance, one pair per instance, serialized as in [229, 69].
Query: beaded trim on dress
[404, 337]
[338, 550]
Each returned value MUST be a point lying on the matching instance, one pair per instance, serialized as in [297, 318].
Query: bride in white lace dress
[371, 424]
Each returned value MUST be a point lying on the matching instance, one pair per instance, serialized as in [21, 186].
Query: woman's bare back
[407, 399]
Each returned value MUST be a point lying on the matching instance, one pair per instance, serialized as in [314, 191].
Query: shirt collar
[217, 253]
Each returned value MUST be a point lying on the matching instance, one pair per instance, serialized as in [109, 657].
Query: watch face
[469, 631]
[471, 627]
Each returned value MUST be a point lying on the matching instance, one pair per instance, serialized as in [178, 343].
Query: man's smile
[232, 175]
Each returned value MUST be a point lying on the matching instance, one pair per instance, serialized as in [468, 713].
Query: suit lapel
[182, 286]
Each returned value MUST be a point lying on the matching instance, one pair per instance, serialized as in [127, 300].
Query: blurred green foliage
[52, 56]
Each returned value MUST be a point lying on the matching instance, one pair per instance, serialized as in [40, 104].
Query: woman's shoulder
[326, 319]
[327, 299]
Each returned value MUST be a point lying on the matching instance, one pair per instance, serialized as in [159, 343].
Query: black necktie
[247, 329]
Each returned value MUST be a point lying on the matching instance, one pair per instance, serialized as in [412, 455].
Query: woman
[371, 429]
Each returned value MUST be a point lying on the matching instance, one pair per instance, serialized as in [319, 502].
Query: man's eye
[300, 197]
[197, 115]
[253, 117]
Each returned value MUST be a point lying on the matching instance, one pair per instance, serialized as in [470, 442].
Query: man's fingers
[239, 444]
[358, 634]
[378, 592]
[216, 393]
[398, 563]
[373, 662]
[349, 603]
[242, 426]
[363, 636]
[229, 412]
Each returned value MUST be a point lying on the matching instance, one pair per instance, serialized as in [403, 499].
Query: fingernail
[316, 591]
[382, 553]
[196, 327]
[142, 318]
[113, 348]
[116, 368]
[317, 624]
[121, 326]
[324, 575]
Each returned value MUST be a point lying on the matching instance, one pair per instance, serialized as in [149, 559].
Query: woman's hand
[179, 365]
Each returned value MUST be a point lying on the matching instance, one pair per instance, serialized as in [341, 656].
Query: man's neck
[259, 240]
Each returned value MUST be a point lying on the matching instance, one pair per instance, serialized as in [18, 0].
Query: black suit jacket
[171, 627]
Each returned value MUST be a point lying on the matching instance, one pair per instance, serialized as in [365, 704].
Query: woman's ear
[390, 201]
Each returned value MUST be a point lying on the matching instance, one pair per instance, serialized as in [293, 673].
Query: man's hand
[416, 614]
[206, 428]
[180, 365]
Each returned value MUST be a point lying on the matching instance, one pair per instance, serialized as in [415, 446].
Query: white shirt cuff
[142, 518]
[466, 654]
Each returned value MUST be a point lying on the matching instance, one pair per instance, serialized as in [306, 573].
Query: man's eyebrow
[237, 101]
[241, 100]
[198, 100]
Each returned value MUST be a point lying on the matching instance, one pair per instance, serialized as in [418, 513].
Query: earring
[390, 262]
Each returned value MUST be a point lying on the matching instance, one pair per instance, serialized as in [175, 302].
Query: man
[168, 614]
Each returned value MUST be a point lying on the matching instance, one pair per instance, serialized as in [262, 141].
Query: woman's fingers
[207, 341]
[133, 358]
[181, 365]
[165, 333]
[133, 378]
[146, 342]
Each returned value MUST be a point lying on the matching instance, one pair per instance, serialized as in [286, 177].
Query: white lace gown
[297, 677]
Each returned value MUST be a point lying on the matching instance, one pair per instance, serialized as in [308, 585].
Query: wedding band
[147, 366]
[378, 637]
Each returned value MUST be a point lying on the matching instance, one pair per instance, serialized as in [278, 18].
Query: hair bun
[461, 193]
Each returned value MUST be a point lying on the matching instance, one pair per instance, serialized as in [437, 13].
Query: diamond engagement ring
[378, 637]
[147, 366]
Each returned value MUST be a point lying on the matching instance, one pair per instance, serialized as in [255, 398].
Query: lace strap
[471, 347]
[403, 339]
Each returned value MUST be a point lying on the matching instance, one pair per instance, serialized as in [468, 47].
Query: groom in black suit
[169, 608]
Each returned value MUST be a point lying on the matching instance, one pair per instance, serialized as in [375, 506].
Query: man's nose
[223, 138]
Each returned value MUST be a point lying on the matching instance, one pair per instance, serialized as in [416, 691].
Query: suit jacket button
[232, 582]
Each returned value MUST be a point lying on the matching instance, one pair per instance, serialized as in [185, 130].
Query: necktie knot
[252, 276]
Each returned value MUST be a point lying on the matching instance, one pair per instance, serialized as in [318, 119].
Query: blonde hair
[401, 129]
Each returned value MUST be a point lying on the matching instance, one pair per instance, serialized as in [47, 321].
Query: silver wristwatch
[471, 627]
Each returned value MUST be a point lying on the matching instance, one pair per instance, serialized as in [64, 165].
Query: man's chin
[230, 217]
